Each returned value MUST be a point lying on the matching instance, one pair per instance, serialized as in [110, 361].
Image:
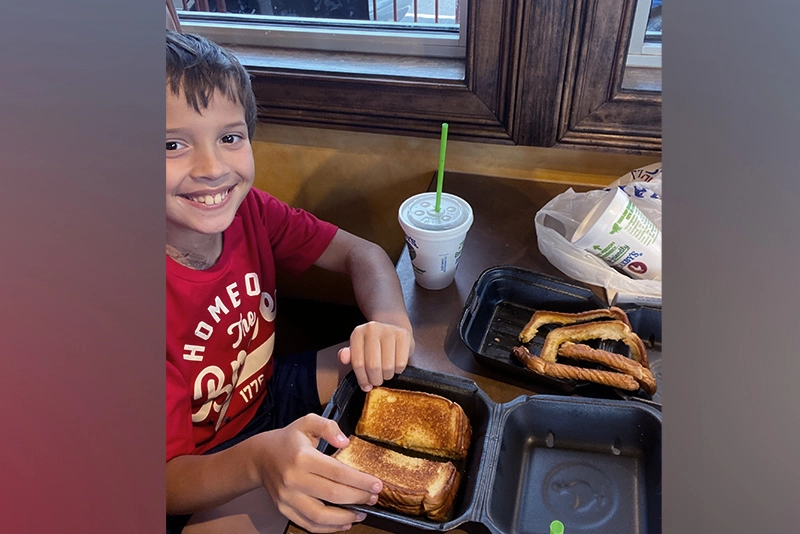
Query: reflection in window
[402, 11]
[645, 45]
[430, 29]
[653, 31]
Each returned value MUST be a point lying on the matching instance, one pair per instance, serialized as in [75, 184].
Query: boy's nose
[209, 165]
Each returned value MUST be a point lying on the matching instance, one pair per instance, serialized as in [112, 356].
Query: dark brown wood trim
[596, 110]
[476, 108]
[537, 73]
[543, 60]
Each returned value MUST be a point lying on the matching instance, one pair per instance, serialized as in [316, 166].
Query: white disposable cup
[616, 231]
[435, 239]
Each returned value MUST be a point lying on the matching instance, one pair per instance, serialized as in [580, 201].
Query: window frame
[600, 112]
[544, 73]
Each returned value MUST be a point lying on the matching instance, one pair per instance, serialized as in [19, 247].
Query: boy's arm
[286, 462]
[381, 348]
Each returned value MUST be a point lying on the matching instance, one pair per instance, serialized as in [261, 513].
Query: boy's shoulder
[263, 203]
[264, 209]
[257, 202]
[257, 198]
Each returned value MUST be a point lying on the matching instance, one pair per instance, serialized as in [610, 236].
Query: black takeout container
[502, 301]
[593, 464]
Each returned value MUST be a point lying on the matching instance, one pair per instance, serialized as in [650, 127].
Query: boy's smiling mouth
[209, 199]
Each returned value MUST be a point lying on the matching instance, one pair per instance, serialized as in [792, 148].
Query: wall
[358, 180]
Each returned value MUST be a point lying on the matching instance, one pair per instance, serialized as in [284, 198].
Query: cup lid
[420, 212]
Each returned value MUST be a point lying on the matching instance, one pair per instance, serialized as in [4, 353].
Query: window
[424, 11]
[534, 72]
[645, 49]
[425, 28]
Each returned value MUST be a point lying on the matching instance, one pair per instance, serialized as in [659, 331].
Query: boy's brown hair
[198, 67]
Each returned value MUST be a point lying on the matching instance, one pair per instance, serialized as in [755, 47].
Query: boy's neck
[197, 255]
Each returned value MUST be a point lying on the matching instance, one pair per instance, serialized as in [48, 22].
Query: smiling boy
[238, 418]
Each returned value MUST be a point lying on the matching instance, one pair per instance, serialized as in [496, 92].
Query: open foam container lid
[593, 464]
[502, 301]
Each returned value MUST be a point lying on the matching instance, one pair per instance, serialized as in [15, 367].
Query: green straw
[440, 174]
[556, 527]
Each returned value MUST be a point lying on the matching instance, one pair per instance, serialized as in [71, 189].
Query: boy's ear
[172, 17]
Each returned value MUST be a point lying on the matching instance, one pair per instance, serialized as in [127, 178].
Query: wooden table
[503, 234]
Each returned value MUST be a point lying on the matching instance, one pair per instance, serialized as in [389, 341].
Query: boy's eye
[231, 138]
[173, 145]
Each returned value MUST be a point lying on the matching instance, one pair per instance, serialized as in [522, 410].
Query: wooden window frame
[544, 73]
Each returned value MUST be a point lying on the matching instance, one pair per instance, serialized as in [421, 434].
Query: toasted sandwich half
[415, 420]
[412, 486]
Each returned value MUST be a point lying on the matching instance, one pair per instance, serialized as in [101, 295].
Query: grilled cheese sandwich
[413, 486]
[415, 420]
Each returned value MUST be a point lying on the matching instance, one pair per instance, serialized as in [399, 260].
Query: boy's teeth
[209, 200]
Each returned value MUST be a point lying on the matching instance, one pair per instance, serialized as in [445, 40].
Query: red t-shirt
[220, 321]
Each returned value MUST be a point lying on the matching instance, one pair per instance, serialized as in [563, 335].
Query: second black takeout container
[505, 297]
[593, 464]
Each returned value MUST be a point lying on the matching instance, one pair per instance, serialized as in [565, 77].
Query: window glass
[401, 11]
[645, 44]
[653, 31]
[421, 28]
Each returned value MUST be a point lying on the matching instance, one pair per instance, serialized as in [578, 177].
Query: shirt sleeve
[298, 238]
[179, 415]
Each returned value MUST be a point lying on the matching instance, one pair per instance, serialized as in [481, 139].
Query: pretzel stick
[612, 360]
[614, 330]
[558, 370]
[541, 318]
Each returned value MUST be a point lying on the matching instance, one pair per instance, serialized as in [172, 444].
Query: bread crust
[557, 370]
[438, 506]
[543, 317]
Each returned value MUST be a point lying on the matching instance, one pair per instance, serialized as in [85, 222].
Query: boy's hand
[299, 477]
[380, 348]
[377, 352]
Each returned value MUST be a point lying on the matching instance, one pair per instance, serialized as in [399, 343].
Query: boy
[236, 416]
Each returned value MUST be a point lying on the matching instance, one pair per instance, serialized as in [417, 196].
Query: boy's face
[210, 166]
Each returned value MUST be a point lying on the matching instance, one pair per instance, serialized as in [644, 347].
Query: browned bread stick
[542, 317]
[613, 360]
[613, 330]
[558, 370]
